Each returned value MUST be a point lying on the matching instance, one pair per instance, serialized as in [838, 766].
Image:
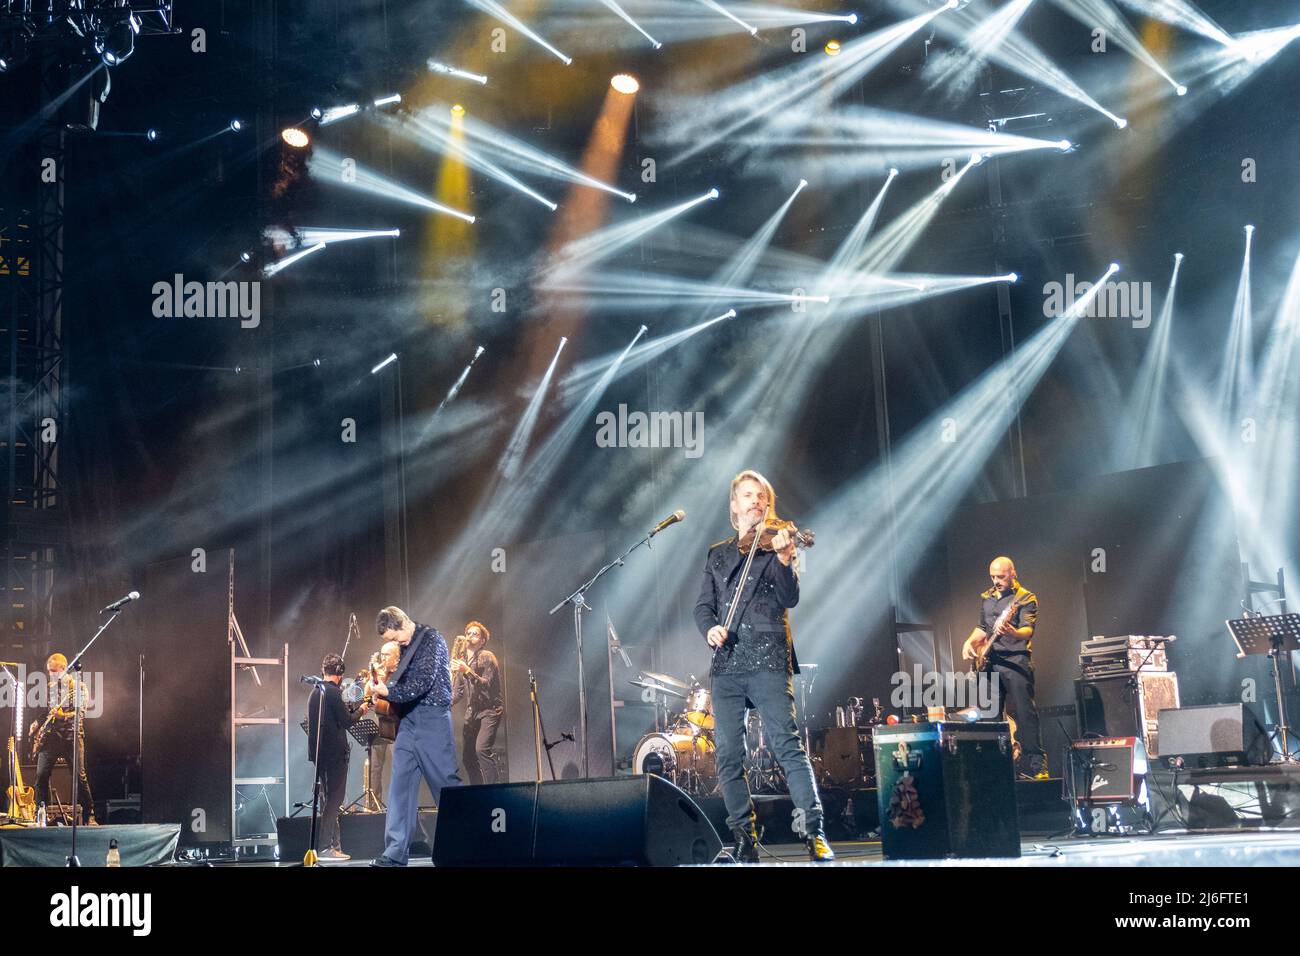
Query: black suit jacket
[762, 615]
[335, 718]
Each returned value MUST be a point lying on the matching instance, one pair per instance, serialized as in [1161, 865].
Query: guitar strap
[408, 652]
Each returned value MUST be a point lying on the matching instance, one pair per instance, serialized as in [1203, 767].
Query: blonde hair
[750, 475]
[56, 658]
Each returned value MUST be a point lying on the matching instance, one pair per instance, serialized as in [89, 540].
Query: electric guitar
[59, 710]
[981, 659]
[22, 800]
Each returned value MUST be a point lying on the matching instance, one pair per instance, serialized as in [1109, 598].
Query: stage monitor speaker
[1216, 735]
[641, 820]
[1107, 707]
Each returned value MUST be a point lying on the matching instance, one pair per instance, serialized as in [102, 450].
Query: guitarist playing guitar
[52, 737]
[1001, 644]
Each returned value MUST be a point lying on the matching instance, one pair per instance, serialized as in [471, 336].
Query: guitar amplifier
[1107, 769]
[946, 790]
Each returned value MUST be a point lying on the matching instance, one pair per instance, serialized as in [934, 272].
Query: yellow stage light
[625, 83]
[295, 137]
[833, 48]
[458, 110]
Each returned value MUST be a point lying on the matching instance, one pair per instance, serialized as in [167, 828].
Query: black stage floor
[1169, 849]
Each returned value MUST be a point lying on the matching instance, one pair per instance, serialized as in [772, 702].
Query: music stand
[1271, 635]
[365, 732]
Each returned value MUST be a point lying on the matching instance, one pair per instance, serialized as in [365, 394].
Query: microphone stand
[579, 602]
[75, 669]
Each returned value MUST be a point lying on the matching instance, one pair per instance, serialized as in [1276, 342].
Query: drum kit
[685, 751]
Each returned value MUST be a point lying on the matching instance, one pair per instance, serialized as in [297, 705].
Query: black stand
[310, 858]
[1273, 635]
[579, 602]
[75, 669]
[365, 732]
[539, 730]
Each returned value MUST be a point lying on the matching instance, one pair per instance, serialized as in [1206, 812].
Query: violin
[768, 529]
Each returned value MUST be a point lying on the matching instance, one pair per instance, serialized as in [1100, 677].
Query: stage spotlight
[236, 125]
[443, 68]
[295, 137]
[729, 314]
[1249, 230]
[1065, 145]
[833, 48]
[385, 363]
[803, 183]
[893, 171]
[118, 43]
[151, 135]
[317, 113]
[391, 98]
[625, 83]
[853, 18]
[1121, 123]
[1012, 277]
[1181, 90]
[713, 193]
[245, 256]
[478, 351]
[457, 110]
[1114, 267]
[4, 65]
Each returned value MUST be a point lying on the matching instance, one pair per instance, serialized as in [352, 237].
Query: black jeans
[55, 747]
[478, 747]
[333, 790]
[772, 694]
[1016, 698]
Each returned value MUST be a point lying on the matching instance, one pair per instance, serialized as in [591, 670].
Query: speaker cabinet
[1217, 735]
[641, 820]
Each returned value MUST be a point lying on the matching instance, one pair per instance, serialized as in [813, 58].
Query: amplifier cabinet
[946, 790]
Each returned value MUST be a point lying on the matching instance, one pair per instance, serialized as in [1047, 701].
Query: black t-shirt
[1026, 615]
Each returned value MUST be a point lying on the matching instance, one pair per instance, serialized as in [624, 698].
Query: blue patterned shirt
[427, 678]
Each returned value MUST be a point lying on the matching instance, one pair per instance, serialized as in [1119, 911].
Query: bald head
[1002, 571]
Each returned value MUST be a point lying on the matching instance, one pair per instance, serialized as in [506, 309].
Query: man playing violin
[754, 663]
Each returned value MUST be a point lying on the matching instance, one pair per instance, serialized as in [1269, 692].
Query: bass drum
[678, 757]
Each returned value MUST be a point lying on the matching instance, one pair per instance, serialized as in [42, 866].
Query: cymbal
[665, 679]
[659, 687]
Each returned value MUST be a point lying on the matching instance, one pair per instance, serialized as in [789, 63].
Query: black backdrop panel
[1144, 525]
[186, 773]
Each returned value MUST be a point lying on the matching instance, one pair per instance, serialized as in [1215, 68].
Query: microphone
[118, 604]
[672, 519]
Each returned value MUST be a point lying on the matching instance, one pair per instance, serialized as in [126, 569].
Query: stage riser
[143, 845]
